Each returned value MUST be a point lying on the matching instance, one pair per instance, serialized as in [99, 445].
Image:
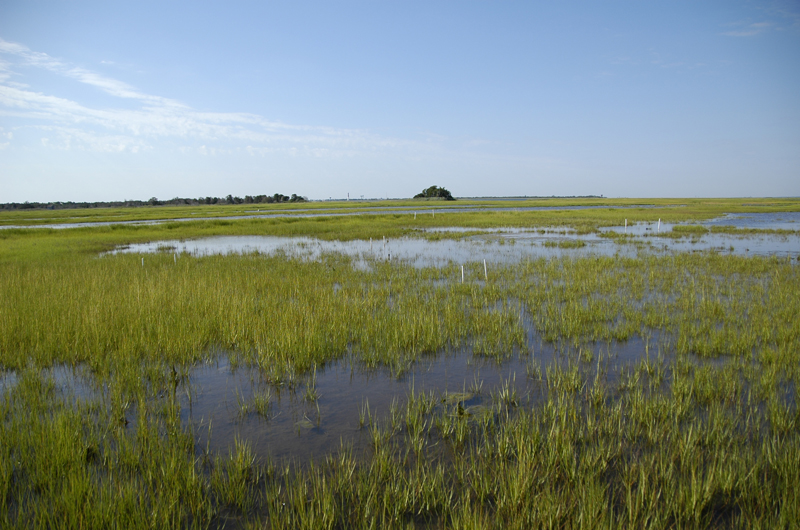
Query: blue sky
[112, 100]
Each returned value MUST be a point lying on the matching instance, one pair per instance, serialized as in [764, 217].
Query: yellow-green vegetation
[50, 244]
[567, 243]
[667, 209]
[702, 431]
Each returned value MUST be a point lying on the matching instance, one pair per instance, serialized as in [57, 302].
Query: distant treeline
[153, 201]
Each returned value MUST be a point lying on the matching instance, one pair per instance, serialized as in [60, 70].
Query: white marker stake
[462, 274]
[175, 258]
[485, 272]
[659, 226]
[415, 216]
[142, 262]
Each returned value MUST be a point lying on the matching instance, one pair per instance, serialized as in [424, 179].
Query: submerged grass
[703, 432]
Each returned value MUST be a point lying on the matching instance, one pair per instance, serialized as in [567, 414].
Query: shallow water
[212, 395]
[760, 245]
[760, 221]
[299, 429]
[419, 252]
[8, 380]
[765, 221]
[783, 245]
[494, 246]
[69, 383]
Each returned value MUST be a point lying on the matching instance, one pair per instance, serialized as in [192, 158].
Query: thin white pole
[626, 226]
[142, 262]
[462, 274]
[659, 225]
[433, 213]
[175, 258]
[485, 272]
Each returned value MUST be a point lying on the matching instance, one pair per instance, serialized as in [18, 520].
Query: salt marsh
[242, 383]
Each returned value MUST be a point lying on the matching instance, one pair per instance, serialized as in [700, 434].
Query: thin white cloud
[158, 117]
[786, 11]
[113, 87]
[5, 71]
[66, 138]
[116, 88]
[748, 30]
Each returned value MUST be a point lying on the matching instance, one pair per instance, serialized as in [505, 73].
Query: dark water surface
[211, 398]
[297, 428]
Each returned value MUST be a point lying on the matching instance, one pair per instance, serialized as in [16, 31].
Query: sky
[117, 100]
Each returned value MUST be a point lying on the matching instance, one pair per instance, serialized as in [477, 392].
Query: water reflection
[783, 245]
[298, 428]
[495, 246]
[320, 411]
[764, 221]
[418, 252]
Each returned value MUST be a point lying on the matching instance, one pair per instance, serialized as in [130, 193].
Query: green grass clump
[566, 243]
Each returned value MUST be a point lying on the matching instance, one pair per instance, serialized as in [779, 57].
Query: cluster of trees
[435, 192]
[153, 201]
[253, 199]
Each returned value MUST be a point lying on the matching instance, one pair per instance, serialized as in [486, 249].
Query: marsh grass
[51, 244]
[702, 431]
[567, 243]
[674, 209]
